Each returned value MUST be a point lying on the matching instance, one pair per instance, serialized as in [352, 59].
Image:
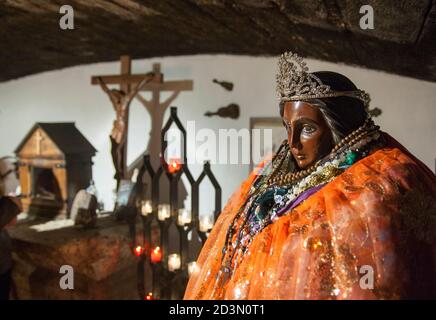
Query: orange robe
[368, 234]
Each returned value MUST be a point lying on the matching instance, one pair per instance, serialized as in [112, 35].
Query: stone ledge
[104, 267]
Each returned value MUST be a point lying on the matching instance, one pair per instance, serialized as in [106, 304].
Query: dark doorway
[46, 198]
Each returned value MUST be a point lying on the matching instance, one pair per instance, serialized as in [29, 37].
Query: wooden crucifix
[156, 108]
[152, 82]
[121, 99]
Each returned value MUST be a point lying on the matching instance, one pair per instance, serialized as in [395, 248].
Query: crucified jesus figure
[121, 101]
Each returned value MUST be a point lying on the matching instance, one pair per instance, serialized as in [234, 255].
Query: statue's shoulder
[391, 165]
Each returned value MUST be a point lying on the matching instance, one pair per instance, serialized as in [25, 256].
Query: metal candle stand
[166, 284]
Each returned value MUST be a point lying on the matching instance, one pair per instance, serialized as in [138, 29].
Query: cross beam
[154, 106]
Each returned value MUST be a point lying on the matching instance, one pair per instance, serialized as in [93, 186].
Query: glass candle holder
[146, 207]
[206, 222]
[184, 217]
[163, 212]
[174, 165]
[192, 268]
[156, 255]
[174, 262]
[138, 251]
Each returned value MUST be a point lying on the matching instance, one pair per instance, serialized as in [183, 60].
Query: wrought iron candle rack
[163, 283]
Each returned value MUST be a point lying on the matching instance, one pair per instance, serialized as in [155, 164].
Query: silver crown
[294, 82]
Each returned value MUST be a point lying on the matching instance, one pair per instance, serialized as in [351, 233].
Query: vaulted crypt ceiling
[402, 41]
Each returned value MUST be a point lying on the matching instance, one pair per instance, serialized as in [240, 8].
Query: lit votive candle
[163, 211]
[156, 255]
[192, 267]
[174, 165]
[206, 223]
[146, 207]
[184, 217]
[174, 262]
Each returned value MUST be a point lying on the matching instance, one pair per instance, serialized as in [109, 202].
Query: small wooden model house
[55, 161]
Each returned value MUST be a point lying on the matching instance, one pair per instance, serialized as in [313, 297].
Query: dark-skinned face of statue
[309, 136]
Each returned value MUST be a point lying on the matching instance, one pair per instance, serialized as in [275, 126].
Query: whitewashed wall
[409, 110]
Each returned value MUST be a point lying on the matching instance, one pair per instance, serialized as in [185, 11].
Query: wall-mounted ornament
[225, 84]
[230, 111]
[375, 112]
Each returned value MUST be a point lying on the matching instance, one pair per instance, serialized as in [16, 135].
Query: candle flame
[138, 250]
[174, 165]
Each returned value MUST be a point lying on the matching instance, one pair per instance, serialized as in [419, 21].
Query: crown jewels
[294, 82]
